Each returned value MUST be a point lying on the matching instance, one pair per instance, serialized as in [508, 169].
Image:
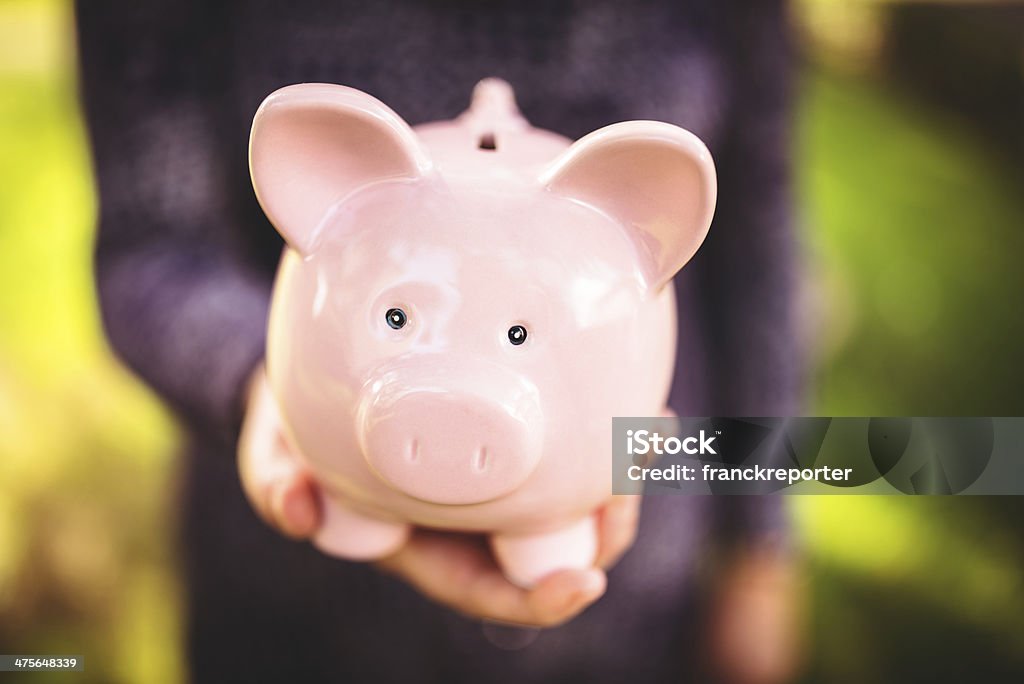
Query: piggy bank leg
[526, 558]
[347, 534]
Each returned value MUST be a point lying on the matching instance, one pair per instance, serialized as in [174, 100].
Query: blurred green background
[908, 147]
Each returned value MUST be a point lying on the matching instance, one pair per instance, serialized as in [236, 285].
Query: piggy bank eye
[517, 335]
[396, 318]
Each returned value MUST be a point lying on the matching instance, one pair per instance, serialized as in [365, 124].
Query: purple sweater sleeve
[752, 321]
[179, 305]
[738, 291]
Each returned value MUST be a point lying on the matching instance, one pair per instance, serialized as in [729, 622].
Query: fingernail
[591, 588]
[297, 513]
[594, 583]
[282, 507]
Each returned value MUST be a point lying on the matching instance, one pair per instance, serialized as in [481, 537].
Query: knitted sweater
[185, 262]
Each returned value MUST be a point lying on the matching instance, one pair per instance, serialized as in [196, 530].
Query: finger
[556, 599]
[279, 488]
[461, 574]
[617, 527]
[295, 507]
[442, 567]
[565, 594]
[757, 614]
[261, 471]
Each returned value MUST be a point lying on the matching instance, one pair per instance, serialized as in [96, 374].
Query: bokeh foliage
[912, 237]
[86, 473]
[913, 243]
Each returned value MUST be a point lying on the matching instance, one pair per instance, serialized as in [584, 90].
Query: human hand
[280, 489]
[456, 570]
[459, 571]
[755, 624]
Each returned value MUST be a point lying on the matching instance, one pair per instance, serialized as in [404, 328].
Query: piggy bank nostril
[480, 460]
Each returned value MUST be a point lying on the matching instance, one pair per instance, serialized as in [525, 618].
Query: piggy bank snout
[451, 447]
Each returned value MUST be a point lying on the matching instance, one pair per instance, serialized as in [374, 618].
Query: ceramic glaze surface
[412, 257]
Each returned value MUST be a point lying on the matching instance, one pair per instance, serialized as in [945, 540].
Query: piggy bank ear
[657, 179]
[313, 144]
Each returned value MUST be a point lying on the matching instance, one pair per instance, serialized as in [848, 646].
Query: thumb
[277, 484]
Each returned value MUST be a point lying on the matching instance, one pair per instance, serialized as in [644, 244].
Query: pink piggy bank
[462, 308]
